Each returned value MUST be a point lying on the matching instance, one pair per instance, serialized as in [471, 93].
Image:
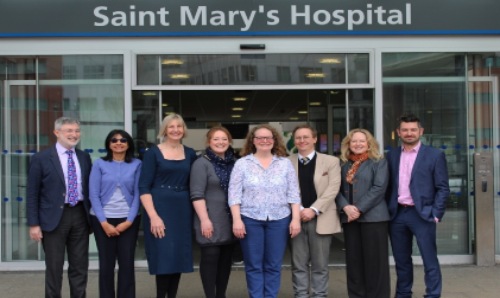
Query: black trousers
[215, 268]
[367, 259]
[70, 236]
[111, 250]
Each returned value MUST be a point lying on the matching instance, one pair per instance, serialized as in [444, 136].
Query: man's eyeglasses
[68, 131]
[265, 139]
[122, 140]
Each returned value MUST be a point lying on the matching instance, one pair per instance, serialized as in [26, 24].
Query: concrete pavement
[459, 282]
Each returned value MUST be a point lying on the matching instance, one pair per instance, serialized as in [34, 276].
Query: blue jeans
[263, 250]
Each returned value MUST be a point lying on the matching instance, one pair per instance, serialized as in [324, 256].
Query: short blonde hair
[166, 121]
[373, 147]
[279, 148]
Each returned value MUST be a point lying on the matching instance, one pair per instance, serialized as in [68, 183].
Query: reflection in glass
[86, 87]
[241, 69]
[359, 66]
[441, 106]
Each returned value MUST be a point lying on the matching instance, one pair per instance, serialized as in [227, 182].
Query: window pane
[359, 68]
[361, 109]
[423, 64]
[147, 70]
[86, 87]
[261, 69]
[445, 129]
[145, 119]
[79, 67]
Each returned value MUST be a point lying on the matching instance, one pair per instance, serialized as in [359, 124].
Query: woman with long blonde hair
[364, 215]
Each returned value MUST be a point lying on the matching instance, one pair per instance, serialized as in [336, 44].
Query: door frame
[493, 102]
[6, 163]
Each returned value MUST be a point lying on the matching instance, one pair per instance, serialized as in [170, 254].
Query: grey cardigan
[370, 184]
[204, 184]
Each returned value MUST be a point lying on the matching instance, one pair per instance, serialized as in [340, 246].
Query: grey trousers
[310, 248]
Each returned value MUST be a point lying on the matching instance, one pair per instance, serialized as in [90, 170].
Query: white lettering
[354, 17]
[119, 19]
[408, 14]
[186, 16]
[247, 19]
[218, 18]
[321, 17]
[104, 18]
[369, 14]
[395, 17]
[351, 17]
[338, 16]
[295, 15]
[380, 12]
[273, 19]
[133, 18]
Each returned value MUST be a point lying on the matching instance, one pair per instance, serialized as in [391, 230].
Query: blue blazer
[428, 183]
[47, 188]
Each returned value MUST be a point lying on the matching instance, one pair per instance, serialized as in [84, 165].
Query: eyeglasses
[122, 140]
[304, 138]
[265, 139]
[68, 131]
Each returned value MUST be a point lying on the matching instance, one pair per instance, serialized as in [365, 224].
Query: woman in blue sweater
[114, 195]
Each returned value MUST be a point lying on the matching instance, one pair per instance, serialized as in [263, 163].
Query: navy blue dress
[168, 183]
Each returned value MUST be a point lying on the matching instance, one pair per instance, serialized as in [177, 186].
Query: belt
[67, 205]
[405, 205]
[175, 187]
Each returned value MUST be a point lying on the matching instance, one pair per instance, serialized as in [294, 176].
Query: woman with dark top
[164, 189]
[364, 215]
[114, 194]
[212, 223]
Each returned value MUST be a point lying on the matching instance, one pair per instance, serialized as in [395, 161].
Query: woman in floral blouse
[264, 198]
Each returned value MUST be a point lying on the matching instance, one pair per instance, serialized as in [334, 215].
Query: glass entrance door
[484, 136]
[19, 140]
[331, 111]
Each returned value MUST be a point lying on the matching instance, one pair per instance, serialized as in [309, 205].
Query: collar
[61, 150]
[414, 149]
[310, 155]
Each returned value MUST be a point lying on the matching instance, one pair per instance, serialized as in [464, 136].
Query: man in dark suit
[416, 199]
[57, 208]
[319, 180]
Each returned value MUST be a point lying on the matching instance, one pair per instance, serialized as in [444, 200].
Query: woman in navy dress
[164, 189]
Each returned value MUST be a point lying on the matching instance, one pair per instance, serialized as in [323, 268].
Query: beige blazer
[327, 183]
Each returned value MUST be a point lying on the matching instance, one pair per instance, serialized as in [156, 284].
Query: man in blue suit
[57, 208]
[416, 198]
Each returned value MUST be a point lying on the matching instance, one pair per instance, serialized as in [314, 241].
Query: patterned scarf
[222, 167]
[358, 159]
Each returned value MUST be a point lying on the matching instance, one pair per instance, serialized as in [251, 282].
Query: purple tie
[72, 180]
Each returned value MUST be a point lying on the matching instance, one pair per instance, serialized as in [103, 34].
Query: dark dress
[168, 183]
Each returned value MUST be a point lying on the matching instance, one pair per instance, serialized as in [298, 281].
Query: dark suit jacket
[47, 188]
[428, 184]
[369, 189]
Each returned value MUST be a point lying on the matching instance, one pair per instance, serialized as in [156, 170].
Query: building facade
[335, 64]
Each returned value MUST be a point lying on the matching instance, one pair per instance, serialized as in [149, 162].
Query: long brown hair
[278, 145]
